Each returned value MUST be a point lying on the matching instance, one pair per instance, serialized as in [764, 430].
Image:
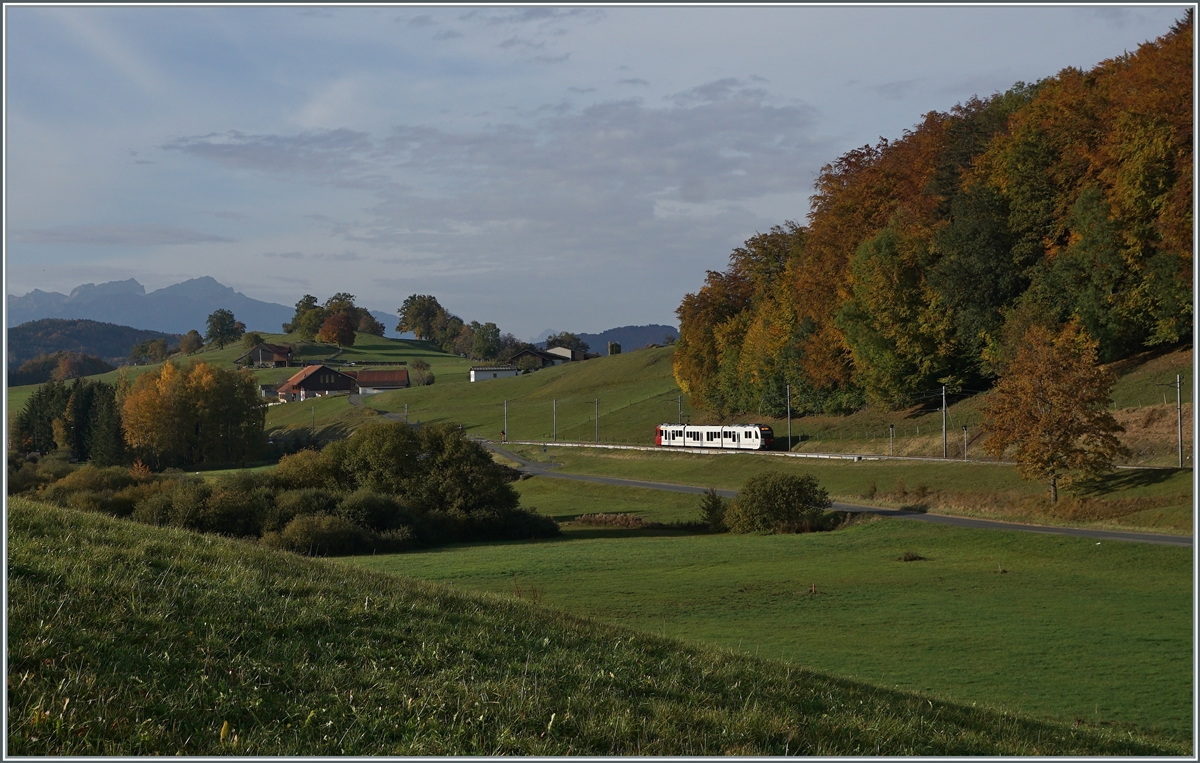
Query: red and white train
[734, 436]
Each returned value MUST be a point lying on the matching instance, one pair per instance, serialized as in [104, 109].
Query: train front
[768, 436]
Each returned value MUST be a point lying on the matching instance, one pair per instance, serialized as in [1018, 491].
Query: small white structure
[480, 373]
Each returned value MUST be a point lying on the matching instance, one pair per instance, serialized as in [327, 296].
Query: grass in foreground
[1070, 630]
[128, 640]
[1158, 500]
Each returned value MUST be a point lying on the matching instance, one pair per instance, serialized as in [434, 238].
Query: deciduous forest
[927, 258]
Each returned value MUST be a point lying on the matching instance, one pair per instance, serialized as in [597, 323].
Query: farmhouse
[315, 381]
[479, 373]
[543, 357]
[263, 355]
[370, 382]
[569, 354]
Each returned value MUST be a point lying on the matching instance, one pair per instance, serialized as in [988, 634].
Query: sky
[545, 168]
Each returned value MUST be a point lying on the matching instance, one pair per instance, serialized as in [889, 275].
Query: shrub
[712, 511]
[631, 521]
[306, 469]
[372, 510]
[778, 502]
[321, 535]
[290, 504]
[89, 478]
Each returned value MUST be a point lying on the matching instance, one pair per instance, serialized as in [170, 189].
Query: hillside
[630, 337]
[108, 341]
[130, 640]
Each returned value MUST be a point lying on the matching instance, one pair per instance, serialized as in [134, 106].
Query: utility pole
[554, 420]
[945, 449]
[506, 420]
[964, 442]
[789, 409]
[1179, 415]
[891, 437]
[406, 413]
[679, 406]
[597, 420]
[314, 422]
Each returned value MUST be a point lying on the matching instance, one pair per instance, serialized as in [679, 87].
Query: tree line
[425, 317]
[928, 259]
[172, 417]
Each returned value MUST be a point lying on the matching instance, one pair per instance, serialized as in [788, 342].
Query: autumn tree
[223, 328]
[251, 340]
[191, 342]
[337, 329]
[418, 314]
[201, 414]
[1050, 409]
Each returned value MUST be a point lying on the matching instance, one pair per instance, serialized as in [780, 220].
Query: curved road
[544, 470]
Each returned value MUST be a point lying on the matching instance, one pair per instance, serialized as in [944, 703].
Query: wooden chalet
[315, 381]
[263, 355]
[371, 381]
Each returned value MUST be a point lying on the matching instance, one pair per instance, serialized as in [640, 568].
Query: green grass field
[1071, 630]
[132, 640]
[1144, 499]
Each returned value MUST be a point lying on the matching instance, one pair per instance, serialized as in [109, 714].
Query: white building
[480, 373]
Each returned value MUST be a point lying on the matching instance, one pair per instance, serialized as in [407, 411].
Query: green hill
[131, 640]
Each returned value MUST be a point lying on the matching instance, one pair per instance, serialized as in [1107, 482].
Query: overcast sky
[543, 168]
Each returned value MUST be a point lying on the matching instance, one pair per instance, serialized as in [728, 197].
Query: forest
[927, 258]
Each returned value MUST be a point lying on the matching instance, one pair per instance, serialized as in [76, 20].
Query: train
[733, 436]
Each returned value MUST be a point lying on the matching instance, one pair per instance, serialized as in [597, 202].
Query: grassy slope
[133, 640]
[636, 391]
[1072, 629]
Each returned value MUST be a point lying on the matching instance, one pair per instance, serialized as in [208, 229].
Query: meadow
[1152, 500]
[1057, 628]
[132, 640]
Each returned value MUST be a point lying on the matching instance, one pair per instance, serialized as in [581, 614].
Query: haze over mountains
[174, 309]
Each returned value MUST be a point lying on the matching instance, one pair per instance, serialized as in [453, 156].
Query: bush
[321, 535]
[374, 511]
[306, 469]
[290, 504]
[712, 511]
[778, 502]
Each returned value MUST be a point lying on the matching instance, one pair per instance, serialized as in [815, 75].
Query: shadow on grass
[1124, 480]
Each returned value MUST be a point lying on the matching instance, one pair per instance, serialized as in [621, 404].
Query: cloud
[633, 81]
[115, 235]
[448, 34]
[424, 20]
[582, 90]
[606, 184]
[285, 255]
[341, 156]
[895, 91]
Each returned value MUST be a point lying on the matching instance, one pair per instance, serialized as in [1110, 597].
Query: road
[548, 470]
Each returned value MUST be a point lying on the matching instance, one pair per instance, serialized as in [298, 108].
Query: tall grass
[128, 640]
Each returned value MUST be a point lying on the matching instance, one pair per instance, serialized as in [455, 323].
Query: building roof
[494, 368]
[280, 350]
[397, 377]
[301, 376]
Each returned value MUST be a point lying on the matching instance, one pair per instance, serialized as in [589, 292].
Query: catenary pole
[945, 449]
[597, 420]
[789, 410]
[1179, 415]
[554, 420]
[506, 420]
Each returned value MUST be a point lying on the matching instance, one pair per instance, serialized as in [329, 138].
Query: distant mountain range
[630, 337]
[174, 309]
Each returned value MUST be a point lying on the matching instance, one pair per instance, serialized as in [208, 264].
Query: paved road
[548, 470]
